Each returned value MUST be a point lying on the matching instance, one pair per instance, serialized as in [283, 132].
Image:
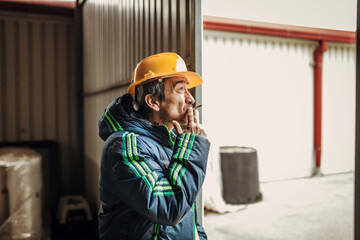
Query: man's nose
[189, 98]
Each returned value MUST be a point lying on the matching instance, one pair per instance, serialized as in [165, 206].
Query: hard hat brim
[192, 78]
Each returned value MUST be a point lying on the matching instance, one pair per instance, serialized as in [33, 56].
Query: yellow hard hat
[162, 65]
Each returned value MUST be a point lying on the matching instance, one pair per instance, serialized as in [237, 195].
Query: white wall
[334, 14]
[338, 135]
[258, 92]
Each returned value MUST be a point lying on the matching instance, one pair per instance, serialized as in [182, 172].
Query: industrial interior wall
[258, 92]
[38, 97]
[118, 34]
[338, 121]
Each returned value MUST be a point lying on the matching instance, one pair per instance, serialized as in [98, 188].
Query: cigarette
[198, 106]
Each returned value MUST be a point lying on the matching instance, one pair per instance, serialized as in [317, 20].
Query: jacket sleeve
[164, 197]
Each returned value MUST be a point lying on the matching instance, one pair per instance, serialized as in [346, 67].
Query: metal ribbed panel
[118, 34]
[38, 89]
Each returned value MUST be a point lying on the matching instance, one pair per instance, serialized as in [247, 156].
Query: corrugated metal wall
[38, 90]
[118, 34]
[266, 87]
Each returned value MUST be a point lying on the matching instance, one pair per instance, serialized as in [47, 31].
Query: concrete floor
[318, 208]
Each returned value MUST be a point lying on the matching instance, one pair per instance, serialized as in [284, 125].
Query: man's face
[176, 102]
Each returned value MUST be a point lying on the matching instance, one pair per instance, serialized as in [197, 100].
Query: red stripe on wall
[278, 30]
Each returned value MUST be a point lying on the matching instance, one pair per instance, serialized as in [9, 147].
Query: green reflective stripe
[156, 175]
[115, 129]
[129, 152]
[179, 146]
[185, 146]
[176, 173]
[126, 159]
[151, 179]
[162, 188]
[173, 168]
[106, 121]
[129, 147]
[133, 144]
[135, 147]
[190, 147]
[193, 207]
[182, 174]
[172, 143]
[117, 123]
[156, 231]
[163, 193]
[145, 166]
[162, 183]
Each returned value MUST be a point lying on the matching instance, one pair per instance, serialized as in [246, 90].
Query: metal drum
[240, 176]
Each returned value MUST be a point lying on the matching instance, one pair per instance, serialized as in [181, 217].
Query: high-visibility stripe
[126, 159]
[156, 231]
[133, 145]
[136, 154]
[162, 188]
[112, 124]
[163, 193]
[117, 123]
[162, 183]
[109, 126]
[184, 146]
[172, 142]
[130, 149]
[182, 174]
[179, 146]
[127, 145]
[190, 148]
[165, 190]
[173, 168]
[176, 173]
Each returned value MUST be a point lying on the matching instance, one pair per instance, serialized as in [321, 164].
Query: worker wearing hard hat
[152, 169]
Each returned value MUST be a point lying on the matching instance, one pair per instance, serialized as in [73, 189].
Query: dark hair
[155, 88]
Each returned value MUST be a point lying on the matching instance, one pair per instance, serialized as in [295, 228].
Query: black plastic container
[240, 176]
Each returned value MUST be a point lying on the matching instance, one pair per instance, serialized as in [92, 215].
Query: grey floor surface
[320, 208]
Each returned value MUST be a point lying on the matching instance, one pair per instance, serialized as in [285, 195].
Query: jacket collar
[121, 116]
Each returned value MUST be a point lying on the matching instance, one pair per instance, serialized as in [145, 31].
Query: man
[152, 169]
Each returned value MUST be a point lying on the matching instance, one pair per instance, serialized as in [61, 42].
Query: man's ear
[152, 102]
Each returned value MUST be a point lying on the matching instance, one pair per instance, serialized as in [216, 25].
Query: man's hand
[193, 124]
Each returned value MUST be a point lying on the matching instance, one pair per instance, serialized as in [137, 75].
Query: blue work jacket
[149, 177]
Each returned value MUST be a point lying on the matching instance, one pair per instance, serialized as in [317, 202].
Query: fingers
[190, 117]
[196, 117]
[177, 127]
[193, 121]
